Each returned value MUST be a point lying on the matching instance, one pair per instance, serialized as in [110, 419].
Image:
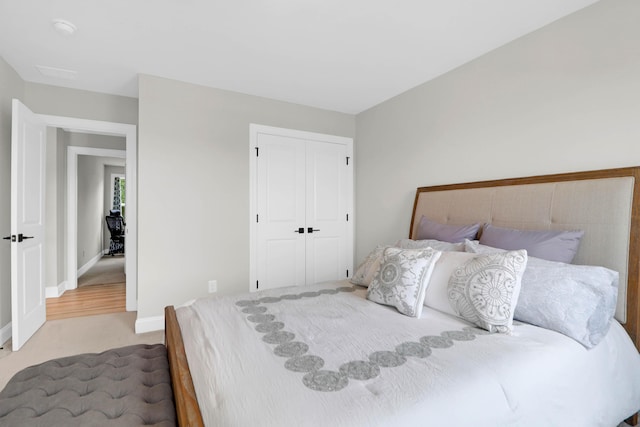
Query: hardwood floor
[88, 301]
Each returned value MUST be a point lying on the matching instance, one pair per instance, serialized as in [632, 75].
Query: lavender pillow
[428, 229]
[560, 246]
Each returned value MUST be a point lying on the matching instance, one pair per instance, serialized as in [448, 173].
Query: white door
[326, 211]
[28, 140]
[303, 233]
[281, 212]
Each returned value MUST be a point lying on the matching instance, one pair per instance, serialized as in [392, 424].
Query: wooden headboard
[605, 204]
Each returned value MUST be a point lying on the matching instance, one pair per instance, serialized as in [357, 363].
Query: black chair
[115, 224]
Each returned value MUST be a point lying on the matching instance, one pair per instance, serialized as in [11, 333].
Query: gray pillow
[578, 301]
[428, 229]
[560, 246]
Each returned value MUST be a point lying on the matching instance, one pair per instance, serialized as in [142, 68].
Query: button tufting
[52, 390]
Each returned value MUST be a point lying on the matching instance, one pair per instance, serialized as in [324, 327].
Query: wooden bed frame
[184, 394]
[187, 407]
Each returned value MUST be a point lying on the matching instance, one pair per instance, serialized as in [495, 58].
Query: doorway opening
[130, 185]
[101, 279]
[28, 194]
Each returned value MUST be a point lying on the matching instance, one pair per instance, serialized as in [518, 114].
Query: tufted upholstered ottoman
[128, 386]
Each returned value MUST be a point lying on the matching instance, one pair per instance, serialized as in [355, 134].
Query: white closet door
[304, 194]
[281, 211]
[326, 212]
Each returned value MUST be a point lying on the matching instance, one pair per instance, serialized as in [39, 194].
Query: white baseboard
[55, 291]
[149, 324]
[5, 333]
[89, 264]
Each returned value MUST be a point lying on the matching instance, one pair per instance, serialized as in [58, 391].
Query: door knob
[311, 230]
[299, 230]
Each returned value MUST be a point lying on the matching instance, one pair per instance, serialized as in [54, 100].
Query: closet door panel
[326, 211]
[281, 205]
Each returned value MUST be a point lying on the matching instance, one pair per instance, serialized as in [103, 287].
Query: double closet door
[304, 203]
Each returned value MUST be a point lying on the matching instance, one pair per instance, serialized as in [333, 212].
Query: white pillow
[485, 289]
[402, 279]
[436, 295]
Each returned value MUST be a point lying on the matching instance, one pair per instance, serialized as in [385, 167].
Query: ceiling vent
[57, 73]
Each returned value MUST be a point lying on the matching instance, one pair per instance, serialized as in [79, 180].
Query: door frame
[254, 131]
[72, 205]
[129, 132]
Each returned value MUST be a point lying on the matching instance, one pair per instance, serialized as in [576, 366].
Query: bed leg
[632, 420]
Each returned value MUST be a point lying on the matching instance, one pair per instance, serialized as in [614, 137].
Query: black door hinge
[348, 160]
[257, 284]
[257, 218]
[347, 273]
[257, 151]
[347, 217]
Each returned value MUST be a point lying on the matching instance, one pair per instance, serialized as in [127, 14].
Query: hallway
[101, 290]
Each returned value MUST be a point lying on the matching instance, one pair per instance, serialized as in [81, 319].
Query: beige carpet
[109, 269]
[60, 338]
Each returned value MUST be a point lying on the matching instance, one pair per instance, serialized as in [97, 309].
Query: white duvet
[315, 356]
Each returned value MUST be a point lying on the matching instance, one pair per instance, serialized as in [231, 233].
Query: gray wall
[54, 204]
[11, 86]
[90, 208]
[97, 141]
[193, 188]
[59, 101]
[564, 98]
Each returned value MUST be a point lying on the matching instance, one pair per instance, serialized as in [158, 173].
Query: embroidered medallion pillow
[402, 279]
[485, 289]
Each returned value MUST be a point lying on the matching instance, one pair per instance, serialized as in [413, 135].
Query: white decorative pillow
[402, 279]
[365, 271]
[485, 289]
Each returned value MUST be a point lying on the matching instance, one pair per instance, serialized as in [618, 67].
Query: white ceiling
[342, 55]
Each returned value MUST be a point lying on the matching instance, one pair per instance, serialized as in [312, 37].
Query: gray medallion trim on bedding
[319, 379]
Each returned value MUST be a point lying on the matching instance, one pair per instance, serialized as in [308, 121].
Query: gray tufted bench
[128, 386]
